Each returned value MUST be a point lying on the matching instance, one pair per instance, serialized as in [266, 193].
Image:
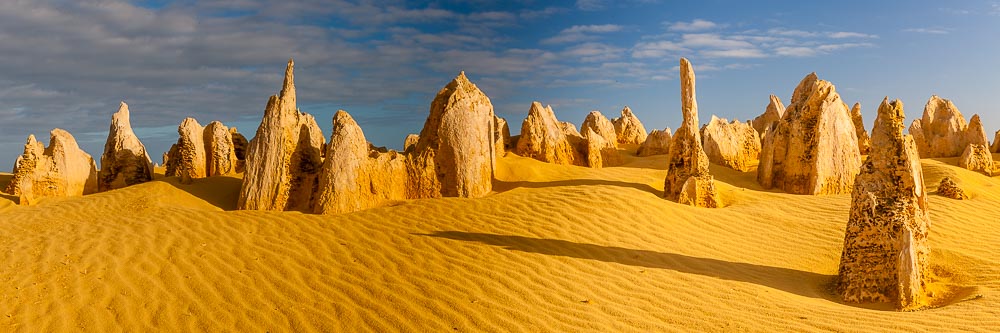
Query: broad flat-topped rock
[60, 170]
[885, 255]
[733, 144]
[657, 143]
[284, 158]
[125, 160]
[813, 149]
[688, 181]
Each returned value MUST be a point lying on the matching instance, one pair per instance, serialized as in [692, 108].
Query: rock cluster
[735, 145]
[885, 255]
[545, 139]
[813, 149]
[775, 109]
[284, 158]
[864, 142]
[688, 181]
[125, 161]
[600, 141]
[977, 157]
[949, 189]
[657, 143]
[203, 151]
[60, 170]
[943, 132]
[629, 129]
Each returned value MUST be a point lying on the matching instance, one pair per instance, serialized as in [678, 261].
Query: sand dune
[556, 248]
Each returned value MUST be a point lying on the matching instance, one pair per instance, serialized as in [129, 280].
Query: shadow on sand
[219, 191]
[503, 186]
[798, 282]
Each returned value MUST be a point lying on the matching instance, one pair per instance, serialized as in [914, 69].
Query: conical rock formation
[735, 145]
[657, 143]
[775, 109]
[943, 132]
[125, 161]
[688, 180]
[813, 149]
[629, 129]
[885, 255]
[977, 157]
[60, 170]
[455, 154]
[284, 158]
[949, 189]
[600, 124]
[544, 138]
[864, 142]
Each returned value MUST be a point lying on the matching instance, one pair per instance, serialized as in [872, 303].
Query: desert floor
[555, 248]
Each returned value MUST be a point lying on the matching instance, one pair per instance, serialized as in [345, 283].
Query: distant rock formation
[975, 134]
[600, 124]
[283, 160]
[544, 138]
[688, 181]
[813, 149]
[735, 145]
[125, 161]
[943, 132]
[410, 141]
[657, 143]
[455, 154]
[220, 153]
[239, 148]
[568, 128]
[949, 189]
[354, 177]
[599, 150]
[864, 142]
[189, 155]
[885, 255]
[775, 109]
[996, 142]
[501, 136]
[977, 157]
[60, 170]
[629, 129]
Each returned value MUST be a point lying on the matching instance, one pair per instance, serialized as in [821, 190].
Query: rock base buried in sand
[60, 170]
[977, 157]
[657, 143]
[949, 189]
[125, 161]
[688, 180]
[732, 144]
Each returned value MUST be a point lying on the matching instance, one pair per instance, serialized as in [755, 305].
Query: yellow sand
[557, 248]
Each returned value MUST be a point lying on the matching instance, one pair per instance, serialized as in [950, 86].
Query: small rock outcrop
[410, 141]
[885, 255]
[975, 134]
[943, 132]
[220, 153]
[657, 143]
[688, 181]
[864, 142]
[284, 159]
[732, 144]
[949, 189]
[600, 124]
[125, 161]
[455, 154]
[775, 109]
[813, 149]
[599, 150]
[60, 170]
[544, 138]
[977, 157]
[355, 177]
[629, 129]
[501, 136]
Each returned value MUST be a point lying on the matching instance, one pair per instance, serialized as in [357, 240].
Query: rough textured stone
[568, 128]
[775, 109]
[354, 177]
[501, 136]
[599, 150]
[125, 161]
[975, 134]
[813, 149]
[885, 255]
[544, 138]
[657, 143]
[189, 155]
[977, 157]
[996, 142]
[949, 189]
[629, 129]
[283, 159]
[239, 149]
[220, 153]
[864, 142]
[942, 131]
[600, 124]
[735, 145]
[687, 159]
[410, 141]
[454, 155]
[59, 170]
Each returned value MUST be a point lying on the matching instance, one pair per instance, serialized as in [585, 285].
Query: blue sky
[67, 64]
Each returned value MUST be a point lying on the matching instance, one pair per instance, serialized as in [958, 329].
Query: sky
[67, 64]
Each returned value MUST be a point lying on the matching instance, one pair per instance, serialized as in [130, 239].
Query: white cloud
[657, 49]
[579, 33]
[735, 53]
[795, 51]
[696, 25]
[846, 34]
[933, 31]
[713, 41]
[594, 52]
[590, 5]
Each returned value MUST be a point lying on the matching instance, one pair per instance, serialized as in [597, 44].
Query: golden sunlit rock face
[688, 181]
[125, 161]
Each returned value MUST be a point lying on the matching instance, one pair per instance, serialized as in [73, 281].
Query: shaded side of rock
[864, 142]
[220, 153]
[190, 153]
[501, 136]
[125, 161]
